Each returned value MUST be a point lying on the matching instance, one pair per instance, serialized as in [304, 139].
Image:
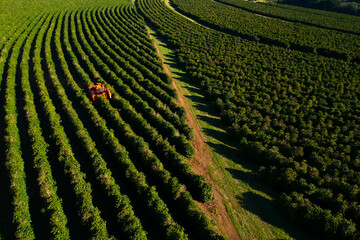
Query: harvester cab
[98, 90]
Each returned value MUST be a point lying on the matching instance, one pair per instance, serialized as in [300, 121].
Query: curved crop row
[48, 190]
[9, 43]
[171, 159]
[138, 71]
[146, 194]
[196, 184]
[12, 143]
[184, 200]
[129, 223]
[15, 27]
[128, 37]
[147, 68]
[172, 187]
[143, 87]
[89, 214]
[195, 181]
[167, 128]
[144, 40]
[177, 119]
[151, 63]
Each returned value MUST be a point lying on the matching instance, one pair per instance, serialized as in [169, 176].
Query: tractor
[98, 90]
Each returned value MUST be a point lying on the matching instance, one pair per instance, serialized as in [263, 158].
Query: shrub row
[143, 31]
[135, 79]
[197, 184]
[295, 113]
[118, 15]
[323, 19]
[179, 122]
[159, 88]
[173, 160]
[145, 194]
[195, 219]
[150, 62]
[14, 162]
[89, 214]
[131, 66]
[167, 129]
[200, 226]
[14, 30]
[126, 218]
[240, 22]
[48, 190]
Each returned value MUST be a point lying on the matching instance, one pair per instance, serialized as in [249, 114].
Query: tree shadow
[260, 206]
[170, 57]
[216, 122]
[199, 106]
[253, 180]
[221, 136]
[268, 212]
[173, 64]
[164, 45]
[196, 99]
[177, 74]
[193, 86]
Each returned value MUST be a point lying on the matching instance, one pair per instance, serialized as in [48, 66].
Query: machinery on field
[98, 90]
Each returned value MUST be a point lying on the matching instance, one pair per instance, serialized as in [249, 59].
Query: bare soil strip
[202, 159]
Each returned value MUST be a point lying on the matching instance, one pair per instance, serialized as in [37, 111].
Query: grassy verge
[249, 202]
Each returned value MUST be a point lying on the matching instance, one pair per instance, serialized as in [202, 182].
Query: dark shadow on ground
[216, 121]
[260, 206]
[199, 106]
[253, 180]
[197, 99]
[163, 45]
[265, 209]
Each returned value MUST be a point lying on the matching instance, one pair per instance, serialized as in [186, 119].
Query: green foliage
[343, 6]
[295, 113]
[48, 190]
[312, 17]
[81, 189]
[273, 31]
[14, 163]
[50, 52]
[129, 223]
[295, 205]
